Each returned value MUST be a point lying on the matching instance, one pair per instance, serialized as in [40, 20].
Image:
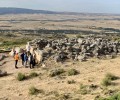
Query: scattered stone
[76, 48]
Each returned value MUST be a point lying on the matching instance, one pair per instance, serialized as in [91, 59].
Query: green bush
[106, 82]
[72, 72]
[101, 98]
[70, 81]
[108, 79]
[114, 97]
[33, 91]
[84, 89]
[111, 76]
[33, 74]
[21, 77]
[56, 72]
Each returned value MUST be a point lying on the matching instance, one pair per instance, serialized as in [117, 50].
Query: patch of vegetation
[58, 36]
[33, 74]
[10, 35]
[92, 86]
[21, 77]
[100, 98]
[111, 76]
[65, 97]
[70, 81]
[56, 72]
[72, 72]
[33, 90]
[84, 89]
[55, 93]
[14, 42]
[79, 36]
[108, 79]
[110, 92]
[106, 82]
[113, 97]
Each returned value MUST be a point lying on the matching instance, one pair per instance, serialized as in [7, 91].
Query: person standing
[28, 47]
[34, 56]
[30, 60]
[22, 57]
[16, 57]
[25, 59]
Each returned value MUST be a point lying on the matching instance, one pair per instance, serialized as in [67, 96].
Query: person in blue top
[25, 59]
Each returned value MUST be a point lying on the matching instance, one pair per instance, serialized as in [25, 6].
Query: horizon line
[64, 11]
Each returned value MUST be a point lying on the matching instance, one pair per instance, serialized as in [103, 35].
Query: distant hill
[12, 10]
[9, 10]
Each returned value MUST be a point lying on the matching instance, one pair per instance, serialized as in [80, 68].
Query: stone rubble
[76, 48]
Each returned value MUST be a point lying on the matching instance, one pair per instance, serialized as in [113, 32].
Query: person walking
[16, 57]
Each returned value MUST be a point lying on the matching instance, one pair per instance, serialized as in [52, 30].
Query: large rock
[3, 73]
[82, 57]
[2, 57]
[38, 56]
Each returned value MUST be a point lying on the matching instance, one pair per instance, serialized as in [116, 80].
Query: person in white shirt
[28, 47]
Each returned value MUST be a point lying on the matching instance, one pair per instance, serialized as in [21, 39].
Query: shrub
[72, 72]
[70, 81]
[83, 89]
[114, 97]
[108, 79]
[56, 72]
[65, 97]
[106, 82]
[55, 93]
[111, 76]
[101, 98]
[33, 74]
[33, 90]
[21, 77]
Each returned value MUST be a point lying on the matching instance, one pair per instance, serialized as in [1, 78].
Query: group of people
[27, 59]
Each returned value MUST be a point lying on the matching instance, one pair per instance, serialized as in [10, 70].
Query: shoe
[16, 67]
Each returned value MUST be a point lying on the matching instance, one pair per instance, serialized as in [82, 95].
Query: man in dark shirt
[22, 57]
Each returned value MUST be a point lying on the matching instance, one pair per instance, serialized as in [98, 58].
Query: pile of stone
[76, 48]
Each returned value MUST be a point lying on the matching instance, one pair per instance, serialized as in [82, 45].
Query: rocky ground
[91, 73]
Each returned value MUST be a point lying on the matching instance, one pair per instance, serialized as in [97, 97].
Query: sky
[89, 6]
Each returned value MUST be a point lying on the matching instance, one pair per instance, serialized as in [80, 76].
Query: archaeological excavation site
[51, 55]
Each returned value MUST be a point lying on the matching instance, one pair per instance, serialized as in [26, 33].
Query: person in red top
[16, 57]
